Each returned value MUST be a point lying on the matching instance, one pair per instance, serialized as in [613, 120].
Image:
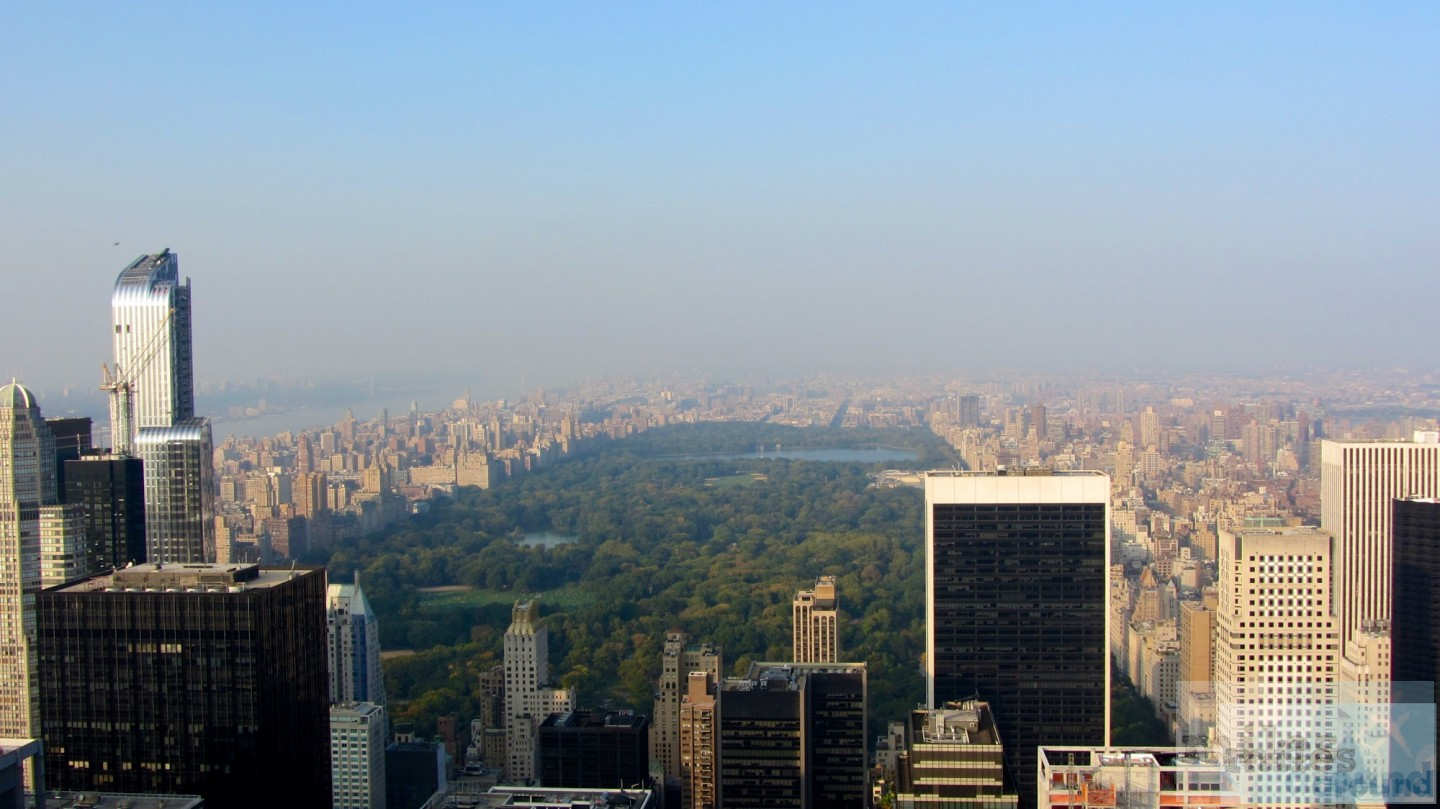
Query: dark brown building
[593, 749]
[111, 492]
[179, 678]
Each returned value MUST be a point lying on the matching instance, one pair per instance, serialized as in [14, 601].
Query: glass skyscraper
[1017, 580]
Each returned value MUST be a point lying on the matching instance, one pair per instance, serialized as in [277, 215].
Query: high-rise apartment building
[815, 617]
[41, 544]
[1016, 588]
[354, 646]
[179, 469]
[528, 699]
[1358, 482]
[208, 679]
[698, 750]
[110, 491]
[357, 755]
[794, 735]
[680, 658]
[151, 309]
[1276, 656]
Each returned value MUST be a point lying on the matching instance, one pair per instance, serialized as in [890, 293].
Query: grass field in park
[458, 596]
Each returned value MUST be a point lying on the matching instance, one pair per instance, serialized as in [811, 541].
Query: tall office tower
[697, 742]
[151, 309]
[357, 755]
[205, 679]
[111, 492]
[953, 757]
[814, 613]
[41, 545]
[969, 415]
[354, 645]
[179, 468]
[1358, 481]
[794, 735]
[72, 441]
[595, 749]
[1415, 627]
[528, 700]
[1016, 591]
[1276, 647]
[679, 659]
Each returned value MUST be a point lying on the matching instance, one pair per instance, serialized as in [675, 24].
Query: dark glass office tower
[192, 679]
[1415, 612]
[111, 492]
[1016, 590]
[584, 749]
[793, 734]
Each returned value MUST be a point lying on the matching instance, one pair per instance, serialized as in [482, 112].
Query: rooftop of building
[966, 722]
[148, 270]
[355, 710]
[596, 719]
[157, 577]
[192, 428]
[1016, 472]
[460, 795]
[115, 800]
[16, 396]
[789, 676]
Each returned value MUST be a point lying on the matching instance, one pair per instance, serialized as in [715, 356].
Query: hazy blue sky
[590, 188]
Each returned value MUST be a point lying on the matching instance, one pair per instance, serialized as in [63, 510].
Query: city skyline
[557, 194]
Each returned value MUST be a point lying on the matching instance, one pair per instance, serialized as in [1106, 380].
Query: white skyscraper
[354, 648]
[152, 408]
[153, 355]
[41, 545]
[527, 699]
[815, 616]
[1359, 480]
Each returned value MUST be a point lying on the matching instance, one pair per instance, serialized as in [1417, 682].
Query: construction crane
[120, 386]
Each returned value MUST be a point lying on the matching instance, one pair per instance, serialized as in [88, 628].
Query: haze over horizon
[563, 193]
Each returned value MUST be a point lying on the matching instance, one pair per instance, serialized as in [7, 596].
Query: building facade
[1358, 482]
[793, 734]
[41, 544]
[1276, 655]
[354, 646]
[698, 726]
[357, 755]
[679, 659]
[179, 470]
[815, 617]
[1016, 595]
[111, 493]
[199, 679]
[595, 750]
[1415, 628]
[528, 697]
[953, 757]
[150, 308]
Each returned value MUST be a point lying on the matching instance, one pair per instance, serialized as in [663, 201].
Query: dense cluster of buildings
[1262, 573]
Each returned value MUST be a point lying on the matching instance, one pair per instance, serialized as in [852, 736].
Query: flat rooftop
[115, 800]
[157, 577]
